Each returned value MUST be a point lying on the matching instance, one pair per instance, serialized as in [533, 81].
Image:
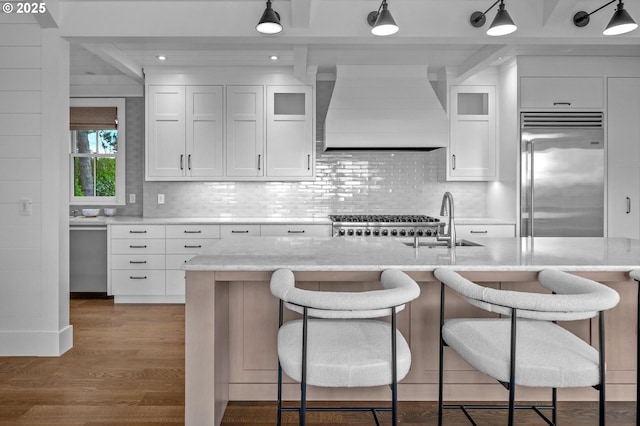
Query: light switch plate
[132, 198]
[160, 198]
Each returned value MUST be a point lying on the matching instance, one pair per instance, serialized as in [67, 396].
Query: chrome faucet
[447, 210]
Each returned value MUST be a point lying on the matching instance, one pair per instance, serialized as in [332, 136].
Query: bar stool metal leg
[303, 382]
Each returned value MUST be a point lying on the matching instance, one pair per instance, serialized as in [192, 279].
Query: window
[97, 160]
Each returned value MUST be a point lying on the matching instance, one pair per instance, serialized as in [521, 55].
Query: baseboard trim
[36, 343]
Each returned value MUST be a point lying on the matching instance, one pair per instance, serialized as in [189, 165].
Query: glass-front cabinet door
[290, 145]
[472, 143]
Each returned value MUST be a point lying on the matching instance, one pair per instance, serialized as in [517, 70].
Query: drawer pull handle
[198, 246]
[138, 246]
[562, 103]
[296, 232]
[193, 232]
[239, 232]
[479, 232]
[138, 262]
[138, 278]
[137, 232]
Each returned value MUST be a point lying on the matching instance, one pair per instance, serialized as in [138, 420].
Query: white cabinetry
[184, 133]
[623, 171]
[561, 92]
[234, 231]
[472, 144]
[266, 133]
[289, 132]
[482, 231]
[183, 243]
[295, 230]
[137, 261]
[245, 131]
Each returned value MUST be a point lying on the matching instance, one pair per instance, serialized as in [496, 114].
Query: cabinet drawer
[481, 231]
[295, 230]
[137, 231]
[187, 245]
[175, 261]
[232, 231]
[193, 231]
[132, 283]
[561, 92]
[137, 246]
[175, 282]
[144, 261]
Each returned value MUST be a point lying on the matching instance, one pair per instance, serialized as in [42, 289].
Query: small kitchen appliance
[382, 225]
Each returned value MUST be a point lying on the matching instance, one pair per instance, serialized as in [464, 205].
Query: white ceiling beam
[481, 59]
[300, 13]
[548, 6]
[114, 56]
[300, 62]
[51, 15]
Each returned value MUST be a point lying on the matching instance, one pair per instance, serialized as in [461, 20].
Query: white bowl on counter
[110, 211]
[90, 212]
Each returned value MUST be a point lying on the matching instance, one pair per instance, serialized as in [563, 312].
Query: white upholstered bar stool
[525, 346]
[338, 342]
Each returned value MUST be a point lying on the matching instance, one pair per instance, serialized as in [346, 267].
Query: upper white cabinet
[623, 172]
[472, 143]
[289, 131]
[229, 132]
[184, 133]
[561, 92]
[245, 131]
[204, 120]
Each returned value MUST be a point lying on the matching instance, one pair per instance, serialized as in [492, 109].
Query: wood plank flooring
[127, 368]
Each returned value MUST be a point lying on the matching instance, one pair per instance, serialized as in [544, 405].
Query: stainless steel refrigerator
[562, 174]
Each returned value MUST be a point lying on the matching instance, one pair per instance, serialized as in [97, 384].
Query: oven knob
[403, 232]
[341, 232]
[367, 232]
[385, 232]
[359, 232]
[411, 232]
[429, 233]
[420, 233]
[376, 233]
[350, 232]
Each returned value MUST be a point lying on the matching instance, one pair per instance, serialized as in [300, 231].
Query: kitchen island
[231, 318]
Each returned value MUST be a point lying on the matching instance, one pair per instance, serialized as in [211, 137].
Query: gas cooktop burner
[383, 225]
[382, 218]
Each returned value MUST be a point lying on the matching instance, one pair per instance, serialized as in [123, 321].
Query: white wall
[34, 90]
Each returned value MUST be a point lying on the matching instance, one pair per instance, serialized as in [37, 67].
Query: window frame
[120, 198]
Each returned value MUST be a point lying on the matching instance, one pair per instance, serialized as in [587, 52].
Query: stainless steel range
[386, 225]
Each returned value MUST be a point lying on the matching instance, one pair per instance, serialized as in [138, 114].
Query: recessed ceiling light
[273, 57]
[161, 57]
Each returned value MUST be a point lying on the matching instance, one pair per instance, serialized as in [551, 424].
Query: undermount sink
[459, 243]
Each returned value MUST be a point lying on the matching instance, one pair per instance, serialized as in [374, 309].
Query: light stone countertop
[134, 220]
[369, 254]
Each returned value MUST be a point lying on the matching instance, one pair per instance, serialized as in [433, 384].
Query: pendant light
[382, 22]
[502, 24]
[270, 21]
[621, 22]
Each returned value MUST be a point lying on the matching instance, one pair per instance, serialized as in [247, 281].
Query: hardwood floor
[127, 368]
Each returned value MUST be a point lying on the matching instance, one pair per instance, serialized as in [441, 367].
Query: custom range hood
[384, 107]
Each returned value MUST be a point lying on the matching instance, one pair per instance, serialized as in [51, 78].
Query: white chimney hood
[384, 107]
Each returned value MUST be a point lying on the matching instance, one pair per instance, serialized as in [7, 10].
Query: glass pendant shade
[270, 21]
[385, 24]
[620, 23]
[502, 24]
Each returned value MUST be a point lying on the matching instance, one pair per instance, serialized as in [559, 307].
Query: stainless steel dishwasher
[88, 260]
